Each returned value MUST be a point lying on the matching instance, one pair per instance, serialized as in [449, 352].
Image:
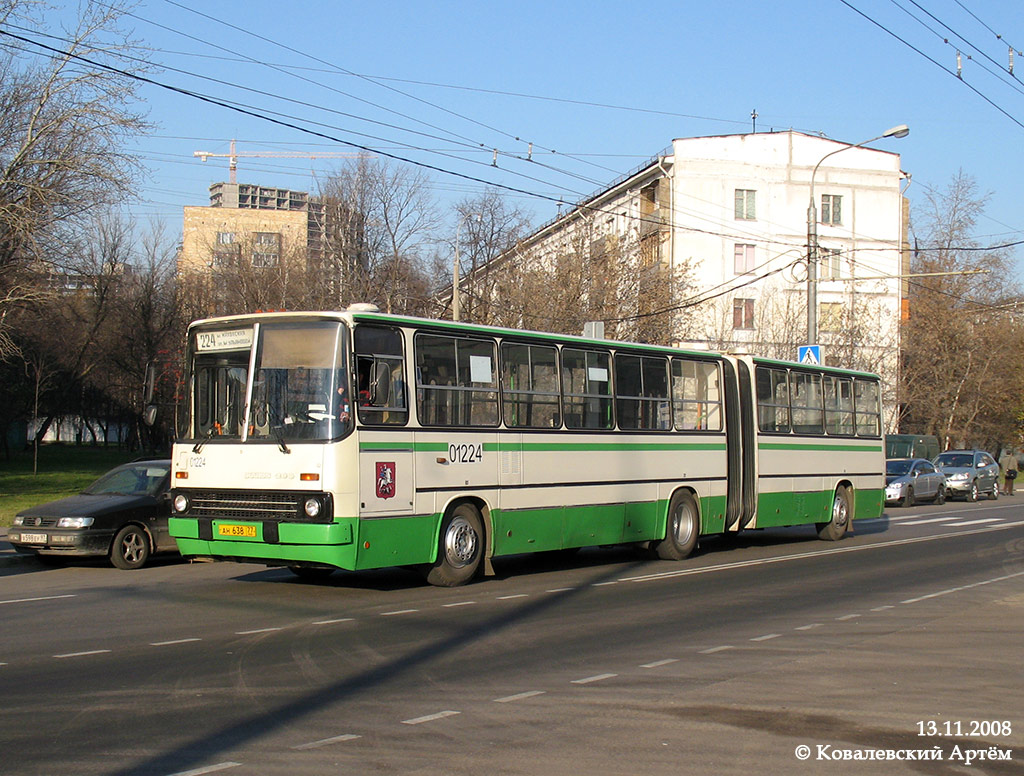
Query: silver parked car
[913, 479]
[969, 473]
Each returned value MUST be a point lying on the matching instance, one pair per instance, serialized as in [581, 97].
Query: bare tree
[963, 368]
[486, 227]
[62, 123]
[596, 275]
[379, 220]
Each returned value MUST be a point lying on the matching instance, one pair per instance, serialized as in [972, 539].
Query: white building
[734, 210]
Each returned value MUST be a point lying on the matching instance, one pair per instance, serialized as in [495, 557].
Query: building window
[743, 258]
[828, 264]
[225, 238]
[223, 258]
[746, 205]
[831, 209]
[743, 313]
[830, 316]
[264, 259]
[268, 239]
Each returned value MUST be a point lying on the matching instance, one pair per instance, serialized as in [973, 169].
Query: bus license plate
[248, 531]
[33, 538]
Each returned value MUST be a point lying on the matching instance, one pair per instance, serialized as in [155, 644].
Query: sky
[572, 95]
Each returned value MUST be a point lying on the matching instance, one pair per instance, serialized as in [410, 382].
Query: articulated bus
[357, 440]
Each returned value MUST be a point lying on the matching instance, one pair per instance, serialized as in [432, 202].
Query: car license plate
[248, 531]
[33, 538]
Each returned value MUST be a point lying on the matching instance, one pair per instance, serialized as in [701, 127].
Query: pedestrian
[1009, 465]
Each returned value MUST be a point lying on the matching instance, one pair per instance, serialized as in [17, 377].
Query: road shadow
[252, 728]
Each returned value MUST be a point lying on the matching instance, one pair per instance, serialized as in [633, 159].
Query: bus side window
[586, 387]
[772, 399]
[457, 381]
[867, 408]
[380, 365]
[696, 400]
[839, 405]
[529, 384]
[806, 401]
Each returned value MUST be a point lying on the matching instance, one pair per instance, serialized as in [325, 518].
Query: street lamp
[812, 233]
[457, 268]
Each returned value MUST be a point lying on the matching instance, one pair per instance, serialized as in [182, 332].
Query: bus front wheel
[682, 528]
[835, 529]
[460, 548]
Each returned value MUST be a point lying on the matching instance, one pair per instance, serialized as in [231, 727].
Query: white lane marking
[39, 598]
[847, 617]
[333, 622]
[962, 587]
[767, 637]
[933, 520]
[509, 597]
[560, 590]
[256, 630]
[976, 522]
[947, 515]
[602, 584]
[660, 663]
[208, 769]
[882, 608]
[82, 654]
[430, 717]
[460, 603]
[812, 626]
[326, 742]
[170, 643]
[398, 612]
[595, 678]
[713, 650]
[816, 554]
[519, 696]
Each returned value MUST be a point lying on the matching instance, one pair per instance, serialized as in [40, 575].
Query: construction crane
[233, 155]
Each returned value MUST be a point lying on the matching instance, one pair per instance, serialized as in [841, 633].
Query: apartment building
[258, 225]
[733, 211]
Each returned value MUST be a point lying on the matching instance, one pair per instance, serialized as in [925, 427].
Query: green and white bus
[359, 440]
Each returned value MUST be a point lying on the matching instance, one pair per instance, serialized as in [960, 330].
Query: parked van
[911, 446]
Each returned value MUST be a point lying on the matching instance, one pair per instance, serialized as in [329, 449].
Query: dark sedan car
[123, 515]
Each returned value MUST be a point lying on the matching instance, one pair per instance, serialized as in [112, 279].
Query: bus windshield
[297, 391]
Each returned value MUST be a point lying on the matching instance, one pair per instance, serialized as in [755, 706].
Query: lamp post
[812, 234]
[457, 268]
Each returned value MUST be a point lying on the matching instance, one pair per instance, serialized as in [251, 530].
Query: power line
[934, 62]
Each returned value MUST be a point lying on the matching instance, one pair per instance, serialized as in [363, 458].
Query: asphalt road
[905, 638]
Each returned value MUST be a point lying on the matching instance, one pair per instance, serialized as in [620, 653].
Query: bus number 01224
[468, 453]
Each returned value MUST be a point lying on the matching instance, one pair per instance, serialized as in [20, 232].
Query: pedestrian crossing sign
[809, 354]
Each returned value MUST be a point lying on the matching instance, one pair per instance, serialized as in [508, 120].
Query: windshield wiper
[278, 428]
[198, 447]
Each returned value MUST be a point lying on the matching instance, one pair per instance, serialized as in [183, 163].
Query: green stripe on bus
[495, 447]
[824, 447]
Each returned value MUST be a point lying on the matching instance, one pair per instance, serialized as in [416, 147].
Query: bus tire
[835, 529]
[682, 528]
[460, 547]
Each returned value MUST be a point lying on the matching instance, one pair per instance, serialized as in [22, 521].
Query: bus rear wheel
[682, 528]
[460, 548]
[835, 529]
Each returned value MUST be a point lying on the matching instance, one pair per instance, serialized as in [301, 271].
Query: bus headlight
[180, 503]
[312, 507]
